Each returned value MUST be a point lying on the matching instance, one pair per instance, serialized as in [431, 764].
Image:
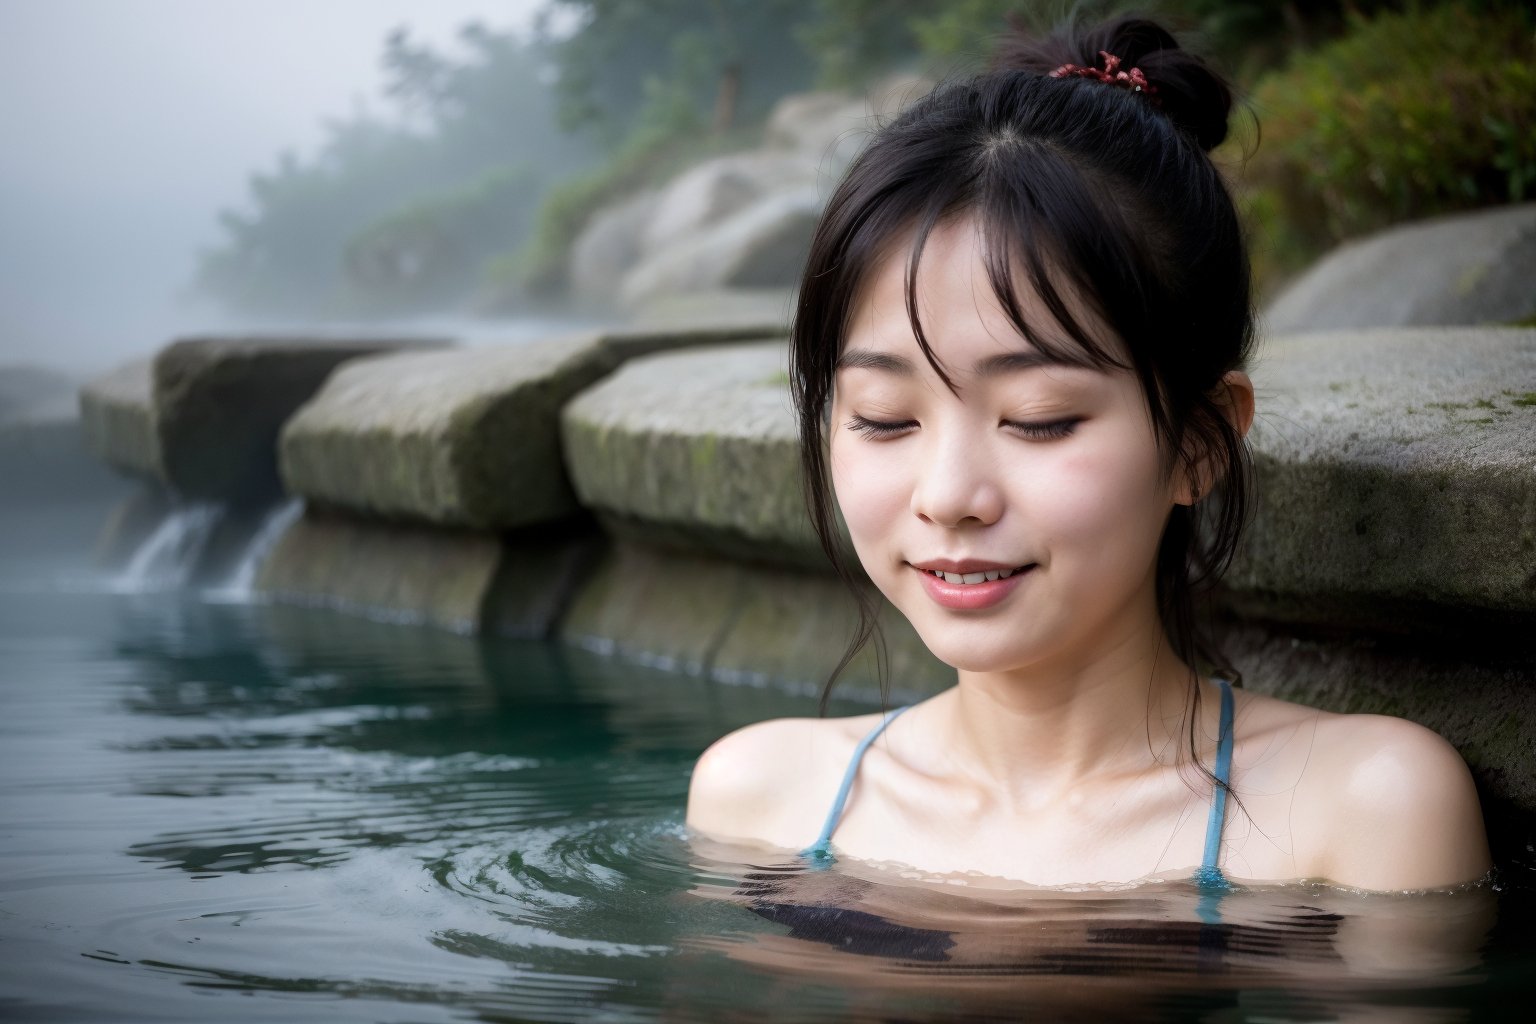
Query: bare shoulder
[772, 781]
[1389, 804]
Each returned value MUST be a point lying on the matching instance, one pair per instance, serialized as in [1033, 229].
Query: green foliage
[1407, 115]
[427, 254]
[730, 59]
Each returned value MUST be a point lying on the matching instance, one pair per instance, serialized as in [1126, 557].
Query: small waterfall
[276, 523]
[166, 560]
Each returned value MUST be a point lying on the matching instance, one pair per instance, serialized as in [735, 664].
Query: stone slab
[466, 581]
[1470, 268]
[695, 448]
[220, 402]
[458, 438]
[467, 437]
[405, 574]
[1396, 478]
[740, 623]
[117, 417]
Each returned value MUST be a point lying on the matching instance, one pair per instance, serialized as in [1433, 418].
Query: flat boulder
[761, 245]
[1396, 479]
[117, 416]
[711, 192]
[203, 416]
[466, 437]
[695, 449]
[1470, 268]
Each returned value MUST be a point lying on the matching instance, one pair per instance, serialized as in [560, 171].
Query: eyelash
[883, 429]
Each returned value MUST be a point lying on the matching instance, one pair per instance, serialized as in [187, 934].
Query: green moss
[1409, 114]
[702, 455]
[1529, 398]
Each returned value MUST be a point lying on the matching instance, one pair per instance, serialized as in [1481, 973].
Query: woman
[1018, 366]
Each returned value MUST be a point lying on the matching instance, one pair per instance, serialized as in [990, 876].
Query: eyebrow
[991, 366]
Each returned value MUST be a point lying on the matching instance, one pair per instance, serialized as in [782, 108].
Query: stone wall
[638, 495]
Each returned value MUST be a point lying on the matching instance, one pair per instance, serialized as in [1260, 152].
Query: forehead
[962, 317]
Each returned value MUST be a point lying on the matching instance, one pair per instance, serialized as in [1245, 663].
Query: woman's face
[1044, 478]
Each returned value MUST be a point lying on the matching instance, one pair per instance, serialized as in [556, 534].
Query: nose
[957, 483]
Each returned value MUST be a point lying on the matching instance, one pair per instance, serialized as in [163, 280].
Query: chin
[977, 646]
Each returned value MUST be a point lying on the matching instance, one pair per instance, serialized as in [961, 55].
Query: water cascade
[239, 589]
[166, 560]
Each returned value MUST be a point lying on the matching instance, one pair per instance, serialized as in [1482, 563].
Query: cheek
[871, 489]
[1107, 499]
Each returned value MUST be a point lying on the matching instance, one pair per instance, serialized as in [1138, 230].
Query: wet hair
[1079, 188]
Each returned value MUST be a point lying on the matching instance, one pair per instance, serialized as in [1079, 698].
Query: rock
[740, 622]
[203, 417]
[696, 449]
[758, 308]
[831, 128]
[457, 438]
[1396, 480]
[466, 437]
[761, 245]
[117, 416]
[717, 189]
[607, 247]
[467, 581]
[1471, 268]
[220, 402]
[812, 122]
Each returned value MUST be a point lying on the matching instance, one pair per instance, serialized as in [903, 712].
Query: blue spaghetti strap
[1209, 876]
[820, 851]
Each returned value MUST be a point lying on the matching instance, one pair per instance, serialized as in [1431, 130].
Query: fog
[126, 125]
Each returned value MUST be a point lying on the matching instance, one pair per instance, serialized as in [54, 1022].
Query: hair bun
[1193, 95]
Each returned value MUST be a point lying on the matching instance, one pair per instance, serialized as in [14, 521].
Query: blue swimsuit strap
[820, 851]
[1209, 873]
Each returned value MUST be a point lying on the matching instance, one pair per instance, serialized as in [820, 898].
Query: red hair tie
[1133, 79]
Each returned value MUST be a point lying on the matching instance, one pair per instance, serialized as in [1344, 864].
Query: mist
[128, 125]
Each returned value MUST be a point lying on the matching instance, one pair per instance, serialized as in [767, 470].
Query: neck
[1035, 732]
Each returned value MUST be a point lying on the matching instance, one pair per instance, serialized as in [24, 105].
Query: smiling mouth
[988, 576]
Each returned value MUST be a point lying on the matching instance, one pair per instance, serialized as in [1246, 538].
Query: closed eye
[879, 428]
[1043, 431]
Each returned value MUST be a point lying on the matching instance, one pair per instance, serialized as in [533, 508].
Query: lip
[969, 596]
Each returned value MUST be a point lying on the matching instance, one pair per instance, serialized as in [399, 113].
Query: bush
[1406, 116]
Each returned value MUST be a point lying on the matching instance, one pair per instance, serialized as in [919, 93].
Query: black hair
[1080, 187]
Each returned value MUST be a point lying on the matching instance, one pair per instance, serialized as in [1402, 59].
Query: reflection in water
[293, 806]
[1155, 950]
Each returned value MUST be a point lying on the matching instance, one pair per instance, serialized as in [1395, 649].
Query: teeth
[973, 577]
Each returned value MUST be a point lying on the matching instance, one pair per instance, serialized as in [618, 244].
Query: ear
[1233, 395]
